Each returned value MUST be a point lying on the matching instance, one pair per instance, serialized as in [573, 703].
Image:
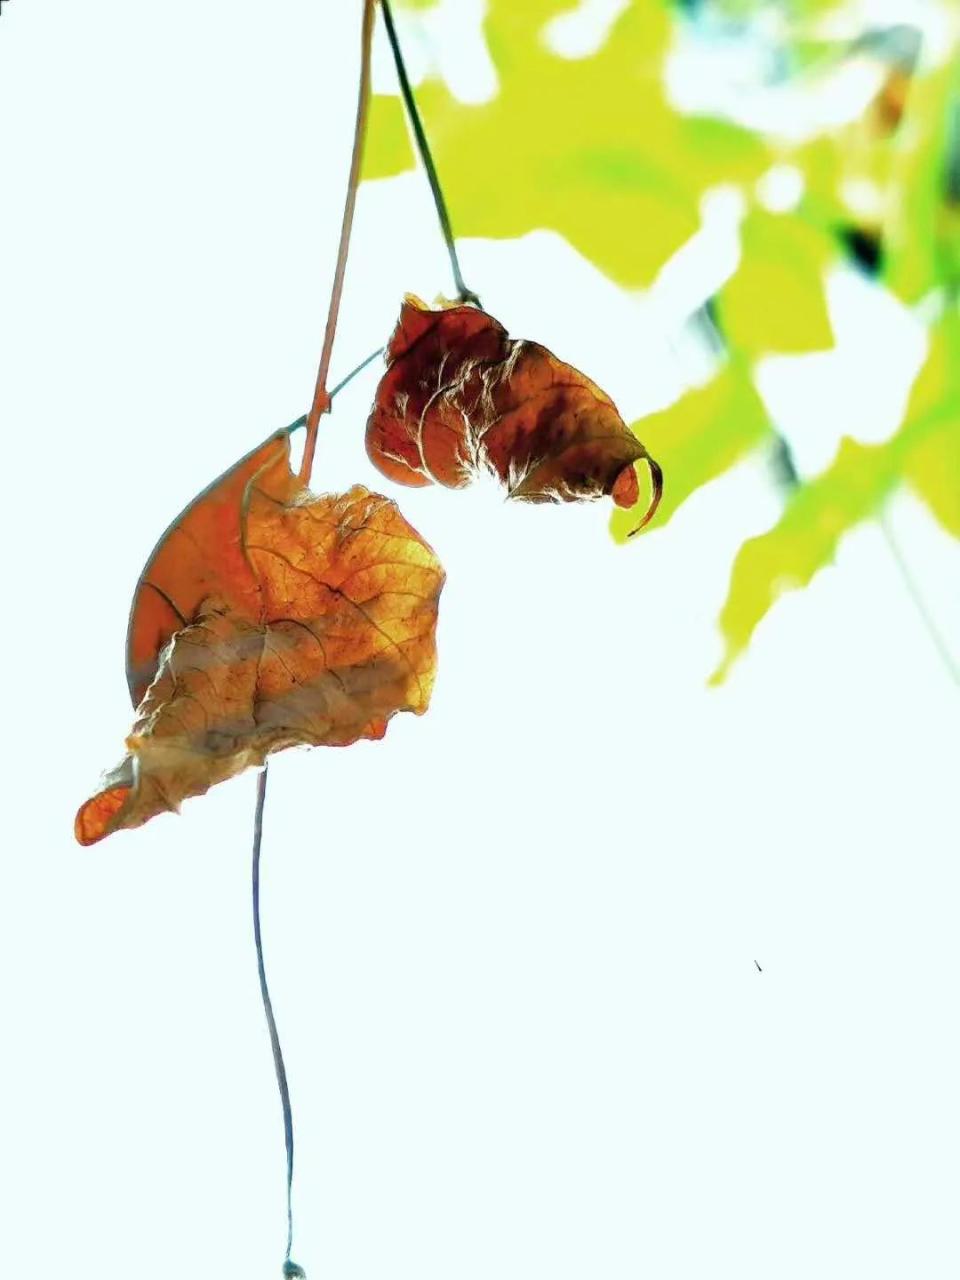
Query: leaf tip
[95, 818]
[656, 482]
[722, 670]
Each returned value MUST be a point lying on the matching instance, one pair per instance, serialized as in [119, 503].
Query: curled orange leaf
[459, 397]
[268, 617]
[201, 554]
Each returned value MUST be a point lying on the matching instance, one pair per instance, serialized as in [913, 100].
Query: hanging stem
[423, 147]
[321, 398]
[290, 1269]
[321, 403]
[913, 591]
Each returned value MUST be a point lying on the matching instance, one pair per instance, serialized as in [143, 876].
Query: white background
[512, 947]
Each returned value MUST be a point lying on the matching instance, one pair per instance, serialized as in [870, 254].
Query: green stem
[913, 591]
[464, 294]
[353, 372]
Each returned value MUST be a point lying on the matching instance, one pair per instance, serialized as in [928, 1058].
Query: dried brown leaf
[460, 397]
[268, 617]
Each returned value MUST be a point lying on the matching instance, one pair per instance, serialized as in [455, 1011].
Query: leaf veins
[267, 617]
[460, 397]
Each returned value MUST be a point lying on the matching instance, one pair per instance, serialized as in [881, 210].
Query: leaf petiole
[321, 397]
[464, 294]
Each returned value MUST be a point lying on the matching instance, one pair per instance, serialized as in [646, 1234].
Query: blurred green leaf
[761, 8]
[821, 511]
[775, 301]
[803, 540]
[933, 470]
[589, 147]
[932, 465]
[916, 225]
[697, 439]
[820, 160]
[388, 150]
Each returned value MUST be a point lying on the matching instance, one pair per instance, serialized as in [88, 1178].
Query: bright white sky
[512, 947]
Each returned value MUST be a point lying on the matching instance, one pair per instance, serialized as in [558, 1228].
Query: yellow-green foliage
[925, 451]
[393, 152]
[589, 147]
[775, 302]
[921, 234]
[592, 148]
[933, 469]
[686, 442]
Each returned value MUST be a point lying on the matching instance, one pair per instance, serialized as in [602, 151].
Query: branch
[321, 399]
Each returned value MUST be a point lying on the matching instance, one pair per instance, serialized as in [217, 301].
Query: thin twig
[353, 372]
[423, 147]
[321, 398]
[913, 591]
[290, 1269]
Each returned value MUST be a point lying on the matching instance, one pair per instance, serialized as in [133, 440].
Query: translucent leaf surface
[284, 619]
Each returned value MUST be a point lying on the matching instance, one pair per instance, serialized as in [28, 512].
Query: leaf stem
[290, 1269]
[923, 611]
[423, 147]
[353, 372]
[321, 398]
